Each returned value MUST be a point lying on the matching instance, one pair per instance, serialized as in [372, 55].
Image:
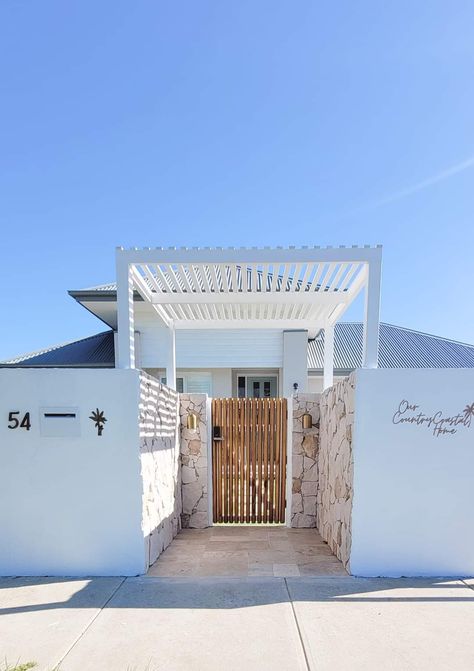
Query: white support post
[171, 359]
[328, 356]
[370, 357]
[125, 355]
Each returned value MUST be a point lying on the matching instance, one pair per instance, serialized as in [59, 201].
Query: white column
[295, 362]
[328, 378]
[125, 355]
[370, 356]
[170, 358]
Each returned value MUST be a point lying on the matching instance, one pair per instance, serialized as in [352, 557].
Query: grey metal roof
[399, 348]
[94, 351]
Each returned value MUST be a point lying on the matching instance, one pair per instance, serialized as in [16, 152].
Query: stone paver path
[247, 551]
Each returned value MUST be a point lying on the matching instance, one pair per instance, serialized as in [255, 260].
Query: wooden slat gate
[249, 459]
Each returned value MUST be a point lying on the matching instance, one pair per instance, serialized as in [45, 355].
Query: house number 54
[14, 421]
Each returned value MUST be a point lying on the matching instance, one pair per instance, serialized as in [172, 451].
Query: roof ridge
[52, 348]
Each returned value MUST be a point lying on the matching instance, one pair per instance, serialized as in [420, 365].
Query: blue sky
[234, 123]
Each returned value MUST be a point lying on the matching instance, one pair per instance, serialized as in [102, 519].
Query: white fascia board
[241, 256]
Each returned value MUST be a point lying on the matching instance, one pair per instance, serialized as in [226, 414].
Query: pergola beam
[285, 324]
[243, 256]
[280, 298]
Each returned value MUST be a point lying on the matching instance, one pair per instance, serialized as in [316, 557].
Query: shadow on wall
[227, 593]
[161, 424]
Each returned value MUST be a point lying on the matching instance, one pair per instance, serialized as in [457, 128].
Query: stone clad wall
[160, 467]
[336, 467]
[304, 460]
[195, 513]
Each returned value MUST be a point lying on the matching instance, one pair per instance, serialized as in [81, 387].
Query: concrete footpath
[230, 624]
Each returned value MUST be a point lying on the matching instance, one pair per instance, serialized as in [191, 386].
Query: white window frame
[186, 375]
[249, 372]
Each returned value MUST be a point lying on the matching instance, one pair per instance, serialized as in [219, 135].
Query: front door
[257, 386]
[249, 459]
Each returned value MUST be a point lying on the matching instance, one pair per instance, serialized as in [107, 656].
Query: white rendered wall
[295, 362]
[71, 505]
[207, 348]
[413, 511]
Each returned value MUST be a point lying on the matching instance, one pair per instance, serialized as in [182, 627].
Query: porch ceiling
[226, 288]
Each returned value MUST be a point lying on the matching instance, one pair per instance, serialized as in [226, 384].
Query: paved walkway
[248, 551]
[256, 624]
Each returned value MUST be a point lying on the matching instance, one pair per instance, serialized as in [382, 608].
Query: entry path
[241, 550]
[251, 623]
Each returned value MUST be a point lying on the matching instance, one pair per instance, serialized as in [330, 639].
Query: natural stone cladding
[304, 458]
[336, 468]
[160, 467]
[195, 513]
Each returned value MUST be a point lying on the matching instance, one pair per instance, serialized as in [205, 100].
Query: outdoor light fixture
[192, 421]
[307, 421]
[295, 386]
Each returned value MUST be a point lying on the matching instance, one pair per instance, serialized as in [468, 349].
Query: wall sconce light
[192, 421]
[307, 421]
[295, 386]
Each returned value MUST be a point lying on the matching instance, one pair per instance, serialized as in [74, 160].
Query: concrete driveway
[151, 624]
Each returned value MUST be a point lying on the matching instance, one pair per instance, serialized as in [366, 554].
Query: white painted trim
[372, 317]
[284, 324]
[289, 461]
[137, 341]
[253, 255]
[125, 315]
[328, 371]
[255, 298]
[210, 491]
[171, 359]
[253, 372]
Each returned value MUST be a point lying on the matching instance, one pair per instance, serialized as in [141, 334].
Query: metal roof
[94, 351]
[398, 348]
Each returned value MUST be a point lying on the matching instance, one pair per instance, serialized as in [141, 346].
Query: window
[256, 386]
[193, 383]
[179, 383]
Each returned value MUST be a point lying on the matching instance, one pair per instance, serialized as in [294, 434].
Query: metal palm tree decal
[469, 412]
[99, 420]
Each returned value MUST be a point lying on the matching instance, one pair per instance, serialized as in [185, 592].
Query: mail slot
[60, 422]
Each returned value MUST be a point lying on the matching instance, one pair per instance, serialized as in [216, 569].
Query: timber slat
[249, 462]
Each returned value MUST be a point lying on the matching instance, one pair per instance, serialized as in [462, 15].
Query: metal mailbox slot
[60, 422]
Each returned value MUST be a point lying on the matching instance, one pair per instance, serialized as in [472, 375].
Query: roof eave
[56, 365]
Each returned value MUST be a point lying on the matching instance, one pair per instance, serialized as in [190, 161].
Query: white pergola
[306, 288]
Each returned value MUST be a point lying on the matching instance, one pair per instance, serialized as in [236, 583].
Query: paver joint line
[305, 654]
[88, 626]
